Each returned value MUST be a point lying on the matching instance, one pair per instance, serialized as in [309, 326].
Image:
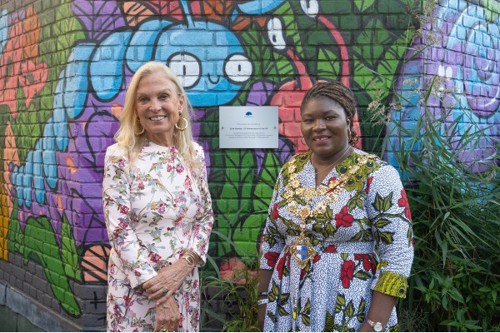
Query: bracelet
[262, 301]
[190, 257]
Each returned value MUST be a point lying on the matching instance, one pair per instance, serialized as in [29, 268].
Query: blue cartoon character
[207, 57]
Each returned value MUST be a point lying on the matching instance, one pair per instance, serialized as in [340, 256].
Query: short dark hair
[339, 93]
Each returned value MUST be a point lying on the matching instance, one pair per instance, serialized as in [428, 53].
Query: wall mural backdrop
[63, 74]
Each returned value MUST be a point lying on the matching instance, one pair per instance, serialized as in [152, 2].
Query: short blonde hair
[129, 134]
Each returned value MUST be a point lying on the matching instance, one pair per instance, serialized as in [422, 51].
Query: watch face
[378, 327]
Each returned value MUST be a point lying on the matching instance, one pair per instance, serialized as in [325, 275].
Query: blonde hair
[130, 135]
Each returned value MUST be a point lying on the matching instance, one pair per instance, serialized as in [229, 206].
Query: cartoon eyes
[238, 68]
[275, 33]
[310, 7]
[187, 68]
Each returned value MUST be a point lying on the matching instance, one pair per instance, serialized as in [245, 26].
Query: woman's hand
[167, 315]
[168, 280]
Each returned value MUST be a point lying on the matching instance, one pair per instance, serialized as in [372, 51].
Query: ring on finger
[165, 291]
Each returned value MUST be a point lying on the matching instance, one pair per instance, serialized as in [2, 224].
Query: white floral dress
[361, 236]
[155, 209]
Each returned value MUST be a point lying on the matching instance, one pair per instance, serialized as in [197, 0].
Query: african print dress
[155, 208]
[330, 246]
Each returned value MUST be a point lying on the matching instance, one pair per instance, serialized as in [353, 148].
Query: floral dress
[155, 209]
[358, 225]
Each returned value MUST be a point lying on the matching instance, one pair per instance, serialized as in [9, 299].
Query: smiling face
[325, 128]
[159, 107]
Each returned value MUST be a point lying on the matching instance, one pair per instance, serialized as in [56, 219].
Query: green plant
[230, 299]
[239, 299]
[455, 207]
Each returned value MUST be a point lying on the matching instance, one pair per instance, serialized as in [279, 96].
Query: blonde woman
[157, 208]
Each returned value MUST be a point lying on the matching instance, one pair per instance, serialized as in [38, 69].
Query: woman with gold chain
[338, 243]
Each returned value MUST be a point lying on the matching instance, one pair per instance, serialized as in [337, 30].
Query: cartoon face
[195, 54]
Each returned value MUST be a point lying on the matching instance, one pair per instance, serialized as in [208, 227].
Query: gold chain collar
[301, 248]
[331, 191]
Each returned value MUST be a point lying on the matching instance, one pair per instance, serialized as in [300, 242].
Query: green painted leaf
[330, 230]
[267, 179]
[339, 303]
[329, 322]
[40, 242]
[307, 307]
[382, 204]
[306, 320]
[328, 64]
[317, 227]
[349, 310]
[381, 223]
[363, 5]
[387, 237]
[273, 295]
[362, 275]
[282, 311]
[284, 298]
[272, 316]
[69, 253]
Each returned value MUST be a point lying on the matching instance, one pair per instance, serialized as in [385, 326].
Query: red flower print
[179, 168]
[368, 263]
[155, 257]
[123, 209]
[347, 273]
[368, 183]
[302, 273]
[330, 249]
[187, 184]
[128, 301]
[284, 261]
[343, 218]
[271, 257]
[276, 214]
[403, 202]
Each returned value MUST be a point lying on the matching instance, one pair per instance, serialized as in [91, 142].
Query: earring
[186, 123]
[349, 134]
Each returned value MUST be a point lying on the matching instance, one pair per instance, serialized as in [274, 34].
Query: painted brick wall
[64, 65]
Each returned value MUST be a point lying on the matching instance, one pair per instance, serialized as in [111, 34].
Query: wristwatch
[376, 325]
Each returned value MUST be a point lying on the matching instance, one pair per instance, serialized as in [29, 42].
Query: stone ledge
[35, 312]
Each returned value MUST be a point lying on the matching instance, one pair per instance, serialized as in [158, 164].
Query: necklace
[301, 247]
[346, 152]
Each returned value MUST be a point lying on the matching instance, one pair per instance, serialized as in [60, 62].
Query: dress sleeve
[117, 213]
[390, 217]
[273, 241]
[204, 216]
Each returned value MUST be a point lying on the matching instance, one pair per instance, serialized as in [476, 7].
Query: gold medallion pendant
[302, 250]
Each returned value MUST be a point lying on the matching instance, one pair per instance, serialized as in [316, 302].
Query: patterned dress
[155, 209]
[358, 223]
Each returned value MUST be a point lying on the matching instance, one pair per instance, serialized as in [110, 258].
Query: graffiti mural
[465, 57]
[64, 72]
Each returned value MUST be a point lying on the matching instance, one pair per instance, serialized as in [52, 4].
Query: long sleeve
[390, 217]
[118, 216]
[204, 216]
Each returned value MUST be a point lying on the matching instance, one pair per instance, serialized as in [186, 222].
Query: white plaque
[248, 127]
